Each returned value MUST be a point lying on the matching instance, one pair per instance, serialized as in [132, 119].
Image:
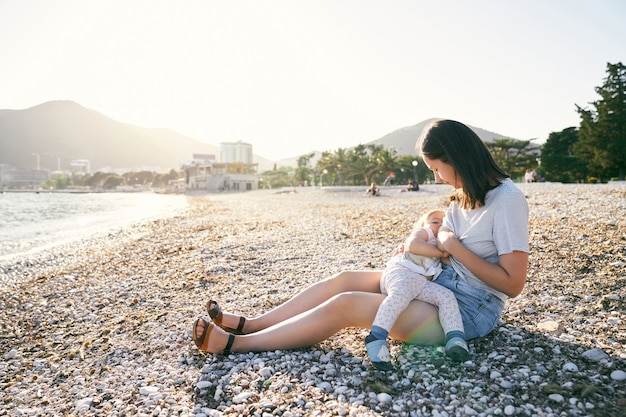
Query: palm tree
[304, 170]
[387, 161]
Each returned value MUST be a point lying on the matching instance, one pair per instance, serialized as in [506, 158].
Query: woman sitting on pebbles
[487, 264]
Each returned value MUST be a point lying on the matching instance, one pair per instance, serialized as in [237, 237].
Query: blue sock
[379, 333]
[455, 333]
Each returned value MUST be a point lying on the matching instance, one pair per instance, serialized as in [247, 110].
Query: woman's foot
[201, 333]
[216, 315]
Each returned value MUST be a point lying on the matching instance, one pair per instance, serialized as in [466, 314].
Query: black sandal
[216, 315]
[202, 341]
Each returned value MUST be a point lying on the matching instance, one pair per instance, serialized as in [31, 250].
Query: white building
[80, 166]
[236, 152]
[23, 178]
[234, 172]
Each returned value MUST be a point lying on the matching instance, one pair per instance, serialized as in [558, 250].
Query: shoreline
[41, 224]
[103, 327]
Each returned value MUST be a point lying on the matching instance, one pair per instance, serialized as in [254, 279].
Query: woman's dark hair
[454, 143]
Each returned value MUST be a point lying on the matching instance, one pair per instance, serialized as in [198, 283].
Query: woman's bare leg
[418, 323]
[310, 297]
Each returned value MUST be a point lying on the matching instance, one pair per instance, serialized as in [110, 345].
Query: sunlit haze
[294, 76]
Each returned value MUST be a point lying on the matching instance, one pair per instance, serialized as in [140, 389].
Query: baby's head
[432, 219]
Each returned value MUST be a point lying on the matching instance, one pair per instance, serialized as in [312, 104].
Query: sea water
[30, 222]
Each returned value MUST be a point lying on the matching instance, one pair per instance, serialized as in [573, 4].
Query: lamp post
[324, 172]
[414, 163]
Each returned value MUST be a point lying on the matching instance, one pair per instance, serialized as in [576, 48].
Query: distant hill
[403, 140]
[60, 131]
[56, 132]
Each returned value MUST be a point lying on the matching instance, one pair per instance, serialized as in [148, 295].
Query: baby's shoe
[378, 351]
[457, 349]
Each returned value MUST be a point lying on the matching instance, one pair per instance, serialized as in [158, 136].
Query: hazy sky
[291, 76]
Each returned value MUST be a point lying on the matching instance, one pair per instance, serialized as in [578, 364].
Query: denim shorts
[480, 309]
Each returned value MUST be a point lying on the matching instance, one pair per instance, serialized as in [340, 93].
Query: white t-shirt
[497, 228]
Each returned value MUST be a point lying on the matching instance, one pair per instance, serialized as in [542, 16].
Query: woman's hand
[446, 239]
[507, 276]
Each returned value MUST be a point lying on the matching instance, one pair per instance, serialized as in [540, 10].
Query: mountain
[57, 132]
[403, 140]
[54, 133]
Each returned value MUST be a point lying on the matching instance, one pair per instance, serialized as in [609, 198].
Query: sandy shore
[103, 327]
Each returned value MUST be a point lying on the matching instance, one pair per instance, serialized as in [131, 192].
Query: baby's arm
[417, 243]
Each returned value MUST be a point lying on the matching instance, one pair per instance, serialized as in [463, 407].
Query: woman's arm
[507, 276]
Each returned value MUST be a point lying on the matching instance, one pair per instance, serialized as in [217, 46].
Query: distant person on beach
[373, 190]
[412, 185]
[391, 177]
[528, 176]
[487, 264]
[407, 277]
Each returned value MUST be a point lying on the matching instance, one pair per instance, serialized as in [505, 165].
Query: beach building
[3, 169]
[22, 178]
[233, 152]
[235, 170]
[80, 166]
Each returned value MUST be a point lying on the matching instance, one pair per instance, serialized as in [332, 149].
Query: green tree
[355, 166]
[364, 164]
[407, 170]
[281, 177]
[558, 162]
[514, 156]
[59, 182]
[112, 181]
[326, 162]
[162, 180]
[336, 165]
[304, 172]
[95, 180]
[386, 161]
[139, 178]
[340, 159]
[602, 134]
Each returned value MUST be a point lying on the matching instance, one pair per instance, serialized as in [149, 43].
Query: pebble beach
[102, 327]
